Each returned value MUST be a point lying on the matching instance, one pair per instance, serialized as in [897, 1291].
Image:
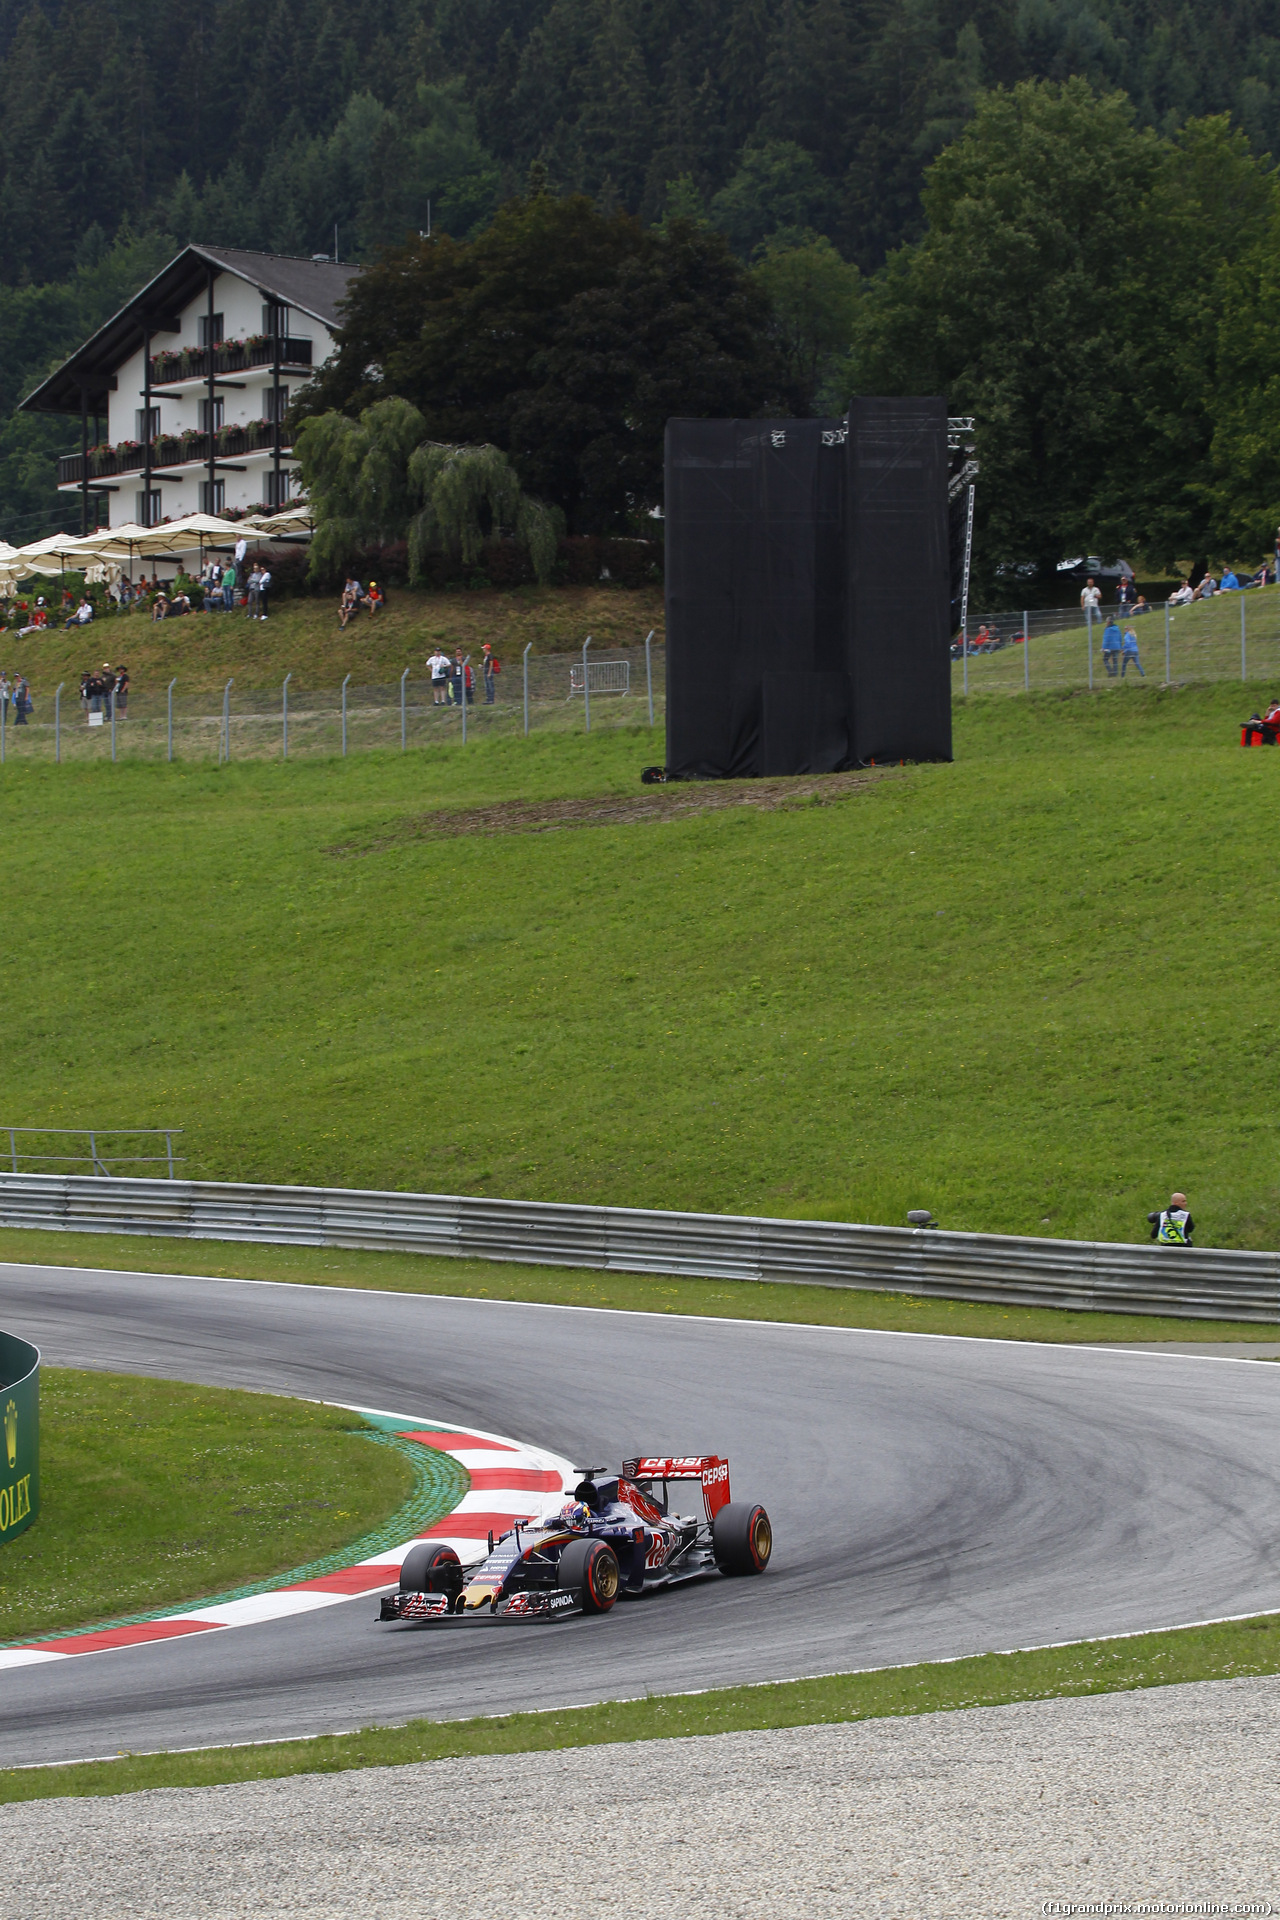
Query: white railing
[1200, 1284]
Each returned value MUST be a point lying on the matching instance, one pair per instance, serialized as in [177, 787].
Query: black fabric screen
[899, 580]
[755, 583]
[768, 667]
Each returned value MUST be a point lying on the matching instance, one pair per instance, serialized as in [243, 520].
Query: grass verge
[627, 1292]
[154, 1493]
[1029, 990]
[1097, 1666]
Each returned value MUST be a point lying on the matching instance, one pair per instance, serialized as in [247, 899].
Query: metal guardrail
[1096, 1275]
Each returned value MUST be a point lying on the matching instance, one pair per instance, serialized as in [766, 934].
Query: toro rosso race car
[616, 1536]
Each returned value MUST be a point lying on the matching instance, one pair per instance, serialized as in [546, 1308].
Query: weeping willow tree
[468, 493]
[378, 479]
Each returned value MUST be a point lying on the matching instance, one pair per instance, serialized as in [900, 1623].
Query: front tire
[593, 1566]
[428, 1568]
[741, 1538]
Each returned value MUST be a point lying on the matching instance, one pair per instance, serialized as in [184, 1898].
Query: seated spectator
[1229, 583]
[82, 615]
[374, 599]
[1140, 605]
[352, 599]
[160, 607]
[179, 604]
[1207, 588]
[1182, 595]
[1255, 732]
[1260, 578]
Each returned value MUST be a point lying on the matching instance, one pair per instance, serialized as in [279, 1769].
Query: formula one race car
[614, 1536]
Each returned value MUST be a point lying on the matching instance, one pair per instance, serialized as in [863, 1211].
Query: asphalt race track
[930, 1497]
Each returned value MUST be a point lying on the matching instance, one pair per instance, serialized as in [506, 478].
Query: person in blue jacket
[1111, 648]
[1129, 653]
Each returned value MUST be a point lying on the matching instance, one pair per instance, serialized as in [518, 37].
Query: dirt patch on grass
[674, 802]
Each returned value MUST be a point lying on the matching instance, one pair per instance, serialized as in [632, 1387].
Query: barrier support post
[284, 712]
[466, 663]
[403, 723]
[344, 717]
[586, 684]
[1026, 652]
[648, 671]
[111, 702]
[1166, 643]
[57, 724]
[1089, 621]
[172, 684]
[226, 719]
[526, 690]
[1244, 674]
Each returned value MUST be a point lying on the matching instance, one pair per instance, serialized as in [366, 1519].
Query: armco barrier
[20, 1461]
[1204, 1284]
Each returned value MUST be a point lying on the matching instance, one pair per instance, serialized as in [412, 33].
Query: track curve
[931, 1497]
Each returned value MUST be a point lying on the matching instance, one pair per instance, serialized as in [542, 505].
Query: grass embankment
[622, 1292]
[302, 636]
[1031, 990]
[1099, 1666]
[154, 1493]
[1204, 644]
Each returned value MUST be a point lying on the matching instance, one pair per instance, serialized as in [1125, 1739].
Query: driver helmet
[575, 1514]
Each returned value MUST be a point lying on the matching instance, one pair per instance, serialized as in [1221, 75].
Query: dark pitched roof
[314, 287]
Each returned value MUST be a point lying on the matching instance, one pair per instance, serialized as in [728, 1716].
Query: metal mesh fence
[331, 720]
[1233, 636]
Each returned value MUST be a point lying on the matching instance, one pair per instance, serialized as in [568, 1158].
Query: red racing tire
[424, 1567]
[741, 1538]
[593, 1566]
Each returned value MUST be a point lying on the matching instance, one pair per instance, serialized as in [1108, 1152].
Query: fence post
[13, 1147]
[526, 690]
[466, 663]
[57, 724]
[1166, 643]
[111, 702]
[172, 684]
[1089, 621]
[403, 723]
[586, 685]
[1243, 643]
[648, 672]
[284, 712]
[964, 648]
[4, 713]
[344, 717]
[1026, 652]
[226, 719]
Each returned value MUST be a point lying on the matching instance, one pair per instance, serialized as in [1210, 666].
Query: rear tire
[741, 1538]
[423, 1569]
[593, 1566]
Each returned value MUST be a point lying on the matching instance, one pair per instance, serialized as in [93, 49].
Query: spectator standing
[1111, 648]
[492, 668]
[22, 701]
[120, 695]
[229, 587]
[1090, 599]
[1173, 1225]
[241, 554]
[1124, 595]
[4, 693]
[463, 680]
[1129, 653]
[264, 588]
[438, 663]
[255, 589]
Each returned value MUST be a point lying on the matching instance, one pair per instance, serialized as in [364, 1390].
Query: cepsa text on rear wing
[709, 1468]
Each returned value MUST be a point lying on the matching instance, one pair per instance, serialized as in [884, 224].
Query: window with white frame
[277, 488]
[146, 423]
[275, 319]
[210, 329]
[211, 412]
[269, 402]
[148, 508]
[213, 496]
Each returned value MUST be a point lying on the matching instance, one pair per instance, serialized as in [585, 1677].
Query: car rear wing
[709, 1468]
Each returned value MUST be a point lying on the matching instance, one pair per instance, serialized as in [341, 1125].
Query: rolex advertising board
[20, 1425]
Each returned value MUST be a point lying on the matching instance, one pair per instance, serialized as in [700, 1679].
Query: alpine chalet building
[181, 397]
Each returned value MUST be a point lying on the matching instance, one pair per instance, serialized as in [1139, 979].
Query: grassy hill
[302, 636]
[1031, 990]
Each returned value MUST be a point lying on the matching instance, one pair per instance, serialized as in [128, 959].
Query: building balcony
[175, 454]
[188, 370]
